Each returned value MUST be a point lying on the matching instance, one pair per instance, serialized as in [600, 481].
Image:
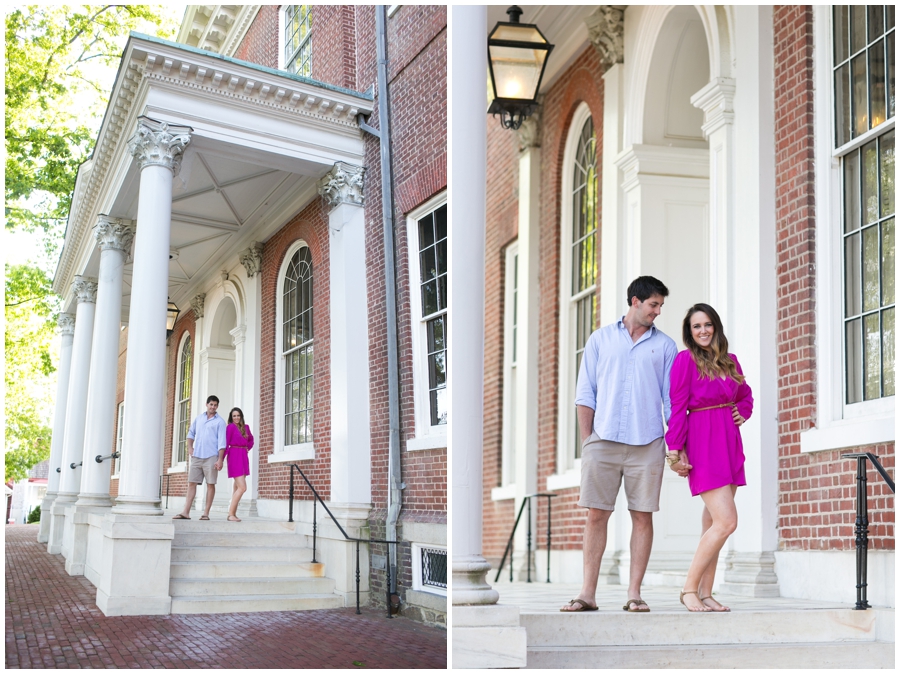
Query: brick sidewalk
[52, 621]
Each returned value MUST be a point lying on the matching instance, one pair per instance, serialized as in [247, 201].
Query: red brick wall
[816, 508]
[260, 44]
[176, 484]
[581, 82]
[333, 40]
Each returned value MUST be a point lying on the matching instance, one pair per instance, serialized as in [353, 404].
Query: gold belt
[712, 407]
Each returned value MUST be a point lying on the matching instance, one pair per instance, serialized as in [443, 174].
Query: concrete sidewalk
[52, 621]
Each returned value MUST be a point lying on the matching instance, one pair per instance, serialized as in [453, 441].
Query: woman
[239, 441]
[710, 401]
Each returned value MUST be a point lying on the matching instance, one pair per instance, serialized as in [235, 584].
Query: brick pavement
[52, 621]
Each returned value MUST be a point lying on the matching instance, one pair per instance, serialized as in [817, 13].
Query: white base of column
[75, 537]
[58, 524]
[830, 575]
[469, 583]
[488, 637]
[750, 574]
[134, 565]
[128, 505]
[94, 500]
[46, 506]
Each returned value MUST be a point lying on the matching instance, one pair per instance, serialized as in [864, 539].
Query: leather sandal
[722, 608]
[705, 608]
[583, 606]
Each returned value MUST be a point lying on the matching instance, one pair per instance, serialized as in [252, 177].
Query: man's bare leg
[594, 544]
[641, 542]
[210, 495]
[189, 499]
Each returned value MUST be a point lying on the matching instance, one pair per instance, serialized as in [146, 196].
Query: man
[623, 388]
[206, 447]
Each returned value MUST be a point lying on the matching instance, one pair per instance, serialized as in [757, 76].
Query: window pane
[426, 232]
[854, 361]
[440, 223]
[887, 346]
[860, 95]
[441, 253]
[852, 286]
[887, 173]
[841, 26]
[851, 192]
[889, 57]
[429, 298]
[873, 357]
[427, 264]
[887, 262]
[870, 183]
[876, 83]
[876, 21]
[857, 27]
[439, 407]
[888, 17]
[870, 269]
[436, 335]
[842, 104]
[442, 292]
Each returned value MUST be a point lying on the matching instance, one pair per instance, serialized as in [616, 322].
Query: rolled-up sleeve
[222, 440]
[586, 388]
[671, 352]
[192, 431]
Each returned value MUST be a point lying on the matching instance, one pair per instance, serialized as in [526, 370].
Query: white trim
[864, 138]
[565, 459]
[175, 402]
[571, 478]
[179, 468]
[280, 451]
[504, 493]
[839, 425]
[393, 9]
[417, 569]
[426, 435]
[508, 442]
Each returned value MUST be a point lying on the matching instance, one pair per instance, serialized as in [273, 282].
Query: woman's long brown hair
[712, 362]
[240, 424]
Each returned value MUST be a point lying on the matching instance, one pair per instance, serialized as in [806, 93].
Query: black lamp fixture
[172, 312]
[517, 56]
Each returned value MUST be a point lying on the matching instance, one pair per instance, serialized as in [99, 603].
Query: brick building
[255, 207]
[700, 145]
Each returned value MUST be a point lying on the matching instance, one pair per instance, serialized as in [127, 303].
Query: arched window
[297, 348]
[183, 399]
[579, 271]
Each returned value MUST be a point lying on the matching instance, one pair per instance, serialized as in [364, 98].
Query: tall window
[297, 348]
[582, 251]
[510, 342]
[297, 42]
[863, 41]
[183, 403]
[432, 246]
[120, 433]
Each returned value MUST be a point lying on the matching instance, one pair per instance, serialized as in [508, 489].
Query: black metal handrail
[862, 522]
[318, 498]
[526, 502]
[101, 459]
[73, 466]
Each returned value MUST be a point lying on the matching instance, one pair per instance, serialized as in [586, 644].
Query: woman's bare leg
[720, 506]
[709, 574]
[240, 486]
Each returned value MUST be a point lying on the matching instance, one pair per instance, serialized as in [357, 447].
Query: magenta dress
[236, 450]
[710, 438]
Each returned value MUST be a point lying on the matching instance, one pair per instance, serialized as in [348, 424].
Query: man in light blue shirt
[622, 394]
[206, 447]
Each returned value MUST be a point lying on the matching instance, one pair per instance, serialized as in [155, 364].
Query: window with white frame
[429, 568]
[296, 54]
[297, 349]
[120, 433]
[183, 398]
[427, 229]
[863, 55]
[579, 271]
[510, 339]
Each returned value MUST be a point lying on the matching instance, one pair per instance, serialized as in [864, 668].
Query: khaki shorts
[203, 468]
[603, 465]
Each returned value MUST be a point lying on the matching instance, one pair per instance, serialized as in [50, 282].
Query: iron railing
[390, 602]
[101, 459]
[509, 546]
[73, 465]
[862, 521]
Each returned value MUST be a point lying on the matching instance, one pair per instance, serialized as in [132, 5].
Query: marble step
[212, 553]
[221, 525]
[212, 587]
[238, 539]
[846, 655]
[611, 629]
[245, 569]
[254, 603]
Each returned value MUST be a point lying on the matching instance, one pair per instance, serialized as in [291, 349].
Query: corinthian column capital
[114, 233]
[85, 289]
[65, 323]
[606, 31]
[197, 305]
[251, 258]
[157, 143]
[343, 184]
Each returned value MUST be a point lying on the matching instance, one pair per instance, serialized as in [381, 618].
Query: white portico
[200, 159]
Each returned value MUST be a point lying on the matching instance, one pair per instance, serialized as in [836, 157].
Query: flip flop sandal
[584, 607]
[204, 517]
[632, 603]
[179, 516]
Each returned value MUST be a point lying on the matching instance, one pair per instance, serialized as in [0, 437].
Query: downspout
[395, 486]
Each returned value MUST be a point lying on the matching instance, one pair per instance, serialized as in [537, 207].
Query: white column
[485, 634]
[614, 283]
[66, 325]
[251, 258]
[114, 238]
[85, 291]
[158, 149]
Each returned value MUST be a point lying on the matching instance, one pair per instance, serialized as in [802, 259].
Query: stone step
[611, 629]
[254, 603]
[238, 587]
[238, 539]
[212, 553]
[246, 569]
[221, 525]
[855, 655]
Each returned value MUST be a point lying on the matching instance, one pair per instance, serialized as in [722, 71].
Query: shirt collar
[621, 325]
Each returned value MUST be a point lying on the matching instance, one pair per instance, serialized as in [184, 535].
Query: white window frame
[282, 63]
[568, 467]
[507, 488]
[303, 451]
[417, 569]
[427, 436]
[839, 424]
[120, 423]
[181, 466]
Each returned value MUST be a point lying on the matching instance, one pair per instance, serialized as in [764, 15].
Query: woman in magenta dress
[710, 400]
[239, 441]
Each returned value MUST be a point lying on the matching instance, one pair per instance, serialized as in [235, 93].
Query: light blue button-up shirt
[626, 383]
[208, 435]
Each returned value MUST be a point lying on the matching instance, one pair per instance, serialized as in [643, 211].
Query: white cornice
[216, 28]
